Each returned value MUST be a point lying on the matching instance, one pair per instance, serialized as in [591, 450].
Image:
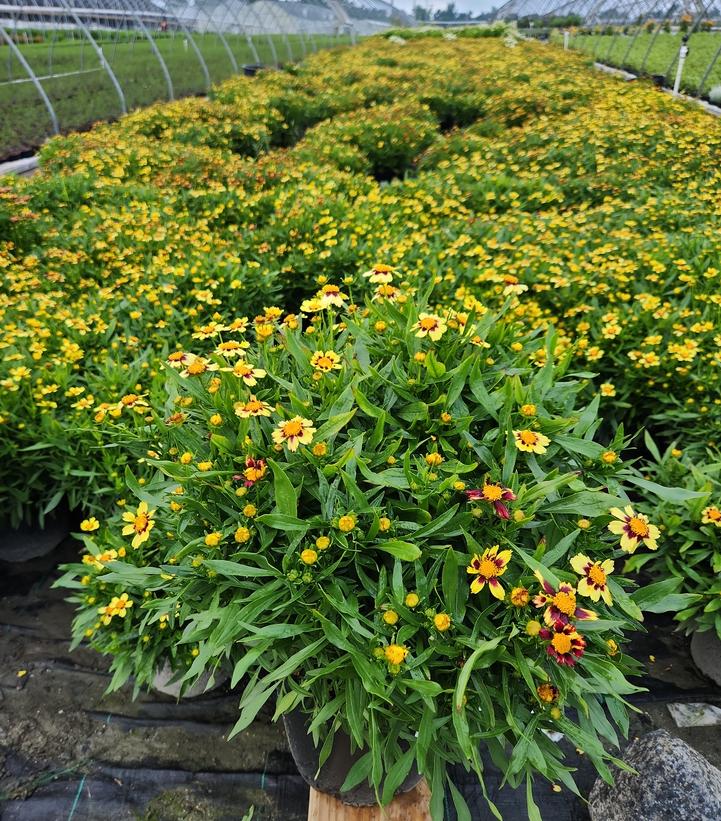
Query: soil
[67, 751]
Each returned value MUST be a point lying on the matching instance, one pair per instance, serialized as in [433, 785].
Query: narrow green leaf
[405, 551]
[286, 498]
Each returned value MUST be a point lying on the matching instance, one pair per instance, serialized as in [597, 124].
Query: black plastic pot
[28, 542]
[251, 70]
[336, 768]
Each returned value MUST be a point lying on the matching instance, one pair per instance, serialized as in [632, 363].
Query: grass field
[632, 52]
[86, 94]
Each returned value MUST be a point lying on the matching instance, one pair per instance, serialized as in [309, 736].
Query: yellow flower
[213, 539]
[294, 432]
[608, 389]
[89, 525]
[216, 419]
[325, 361]
[253, 407]
[118, 606]
[309, 556]
[612, 647]
[633, 528]
[412, 600]
[140, 524]
[533, 628]
[396, 653]
[380, 273]
[608, 457]
[320, 449]
[197, 366]
[250, 511]
[384, 523]
[242, 535]
[205, 466]
[711, 516]
[530, 441]
[346, 523]
[584, 524]
[594, 583]
[487, 568]
[246, 372]
[186, 458]
[442, 622]
[520, 597]
[433, 459]
[430, 325]
[322, 542]
[231, 349]
[548, 693]
[390, 617]
[528, 410]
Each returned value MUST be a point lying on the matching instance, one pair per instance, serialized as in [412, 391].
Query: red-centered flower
[633, 528]
[495, 494]
[565, 644]
[560, 604]
[255, 470]
[486, 568]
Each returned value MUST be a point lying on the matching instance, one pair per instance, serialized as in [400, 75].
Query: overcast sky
[462, 5]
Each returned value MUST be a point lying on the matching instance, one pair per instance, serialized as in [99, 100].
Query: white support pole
[682, 52]
[565, 40]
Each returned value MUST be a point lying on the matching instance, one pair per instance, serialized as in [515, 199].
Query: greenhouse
[360, 411]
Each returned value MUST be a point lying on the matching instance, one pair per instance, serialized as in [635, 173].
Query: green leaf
[653, 594]
[558, 551]
[575, 445]
[397, 773]
[333, 425]
[286, 498]
[465, 674]
[245, 662]
[450, 581]
[459, 802]
[547, 574]
[251, 708]
[405, 551]
[588, 503]
[279, 521]
[437, 524]
[667, 494]
[358, 772]
[624, 601]
[232, 569]
[534, 814]
[425, 688]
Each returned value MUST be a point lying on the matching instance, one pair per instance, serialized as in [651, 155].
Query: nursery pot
[706, 653]
[21, 544]
[163, 683]
[251, 70]
[337, 766]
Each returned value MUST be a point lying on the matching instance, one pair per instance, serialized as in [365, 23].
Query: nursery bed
[67, 752]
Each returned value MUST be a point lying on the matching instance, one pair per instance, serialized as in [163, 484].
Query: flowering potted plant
[396, 526]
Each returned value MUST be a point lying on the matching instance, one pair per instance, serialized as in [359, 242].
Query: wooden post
[411, 806]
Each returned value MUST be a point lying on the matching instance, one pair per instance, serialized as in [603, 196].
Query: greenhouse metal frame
[676, 42]
[69, 63]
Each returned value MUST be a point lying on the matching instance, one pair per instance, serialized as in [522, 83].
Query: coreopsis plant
[384, 515]
[688, 508]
